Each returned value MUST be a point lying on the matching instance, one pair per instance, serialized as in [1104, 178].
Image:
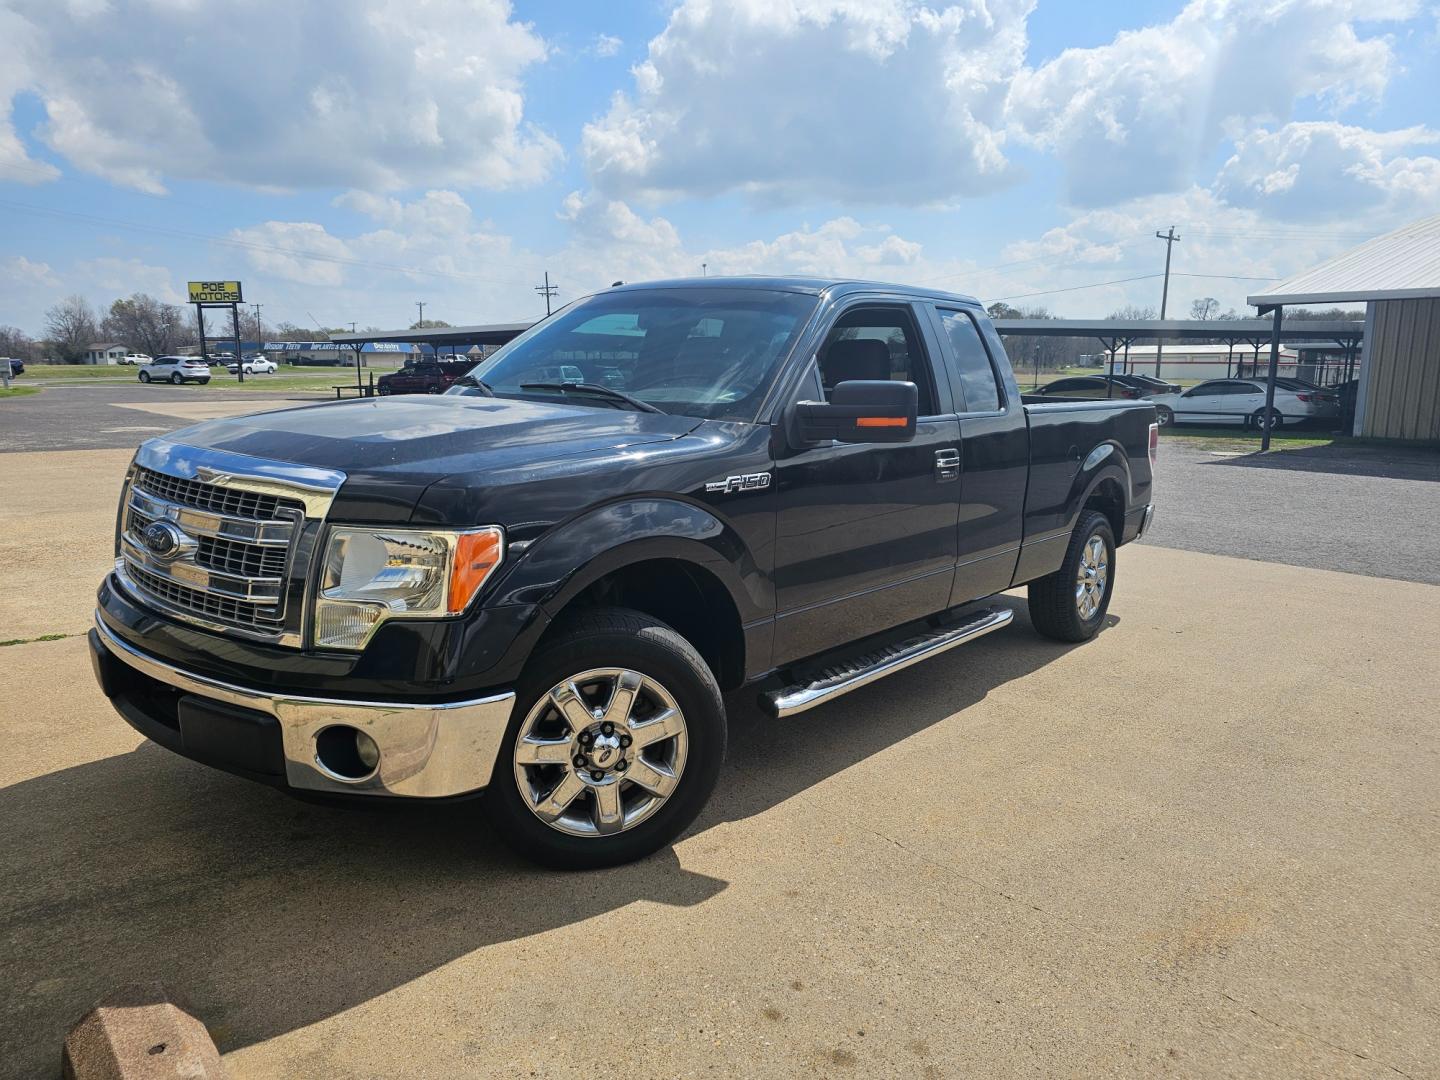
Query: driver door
[867, 534]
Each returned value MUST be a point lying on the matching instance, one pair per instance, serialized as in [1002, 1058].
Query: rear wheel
[144, 376]
[177, 379]
[1259, 422]
[1070, 604]
[614, 746]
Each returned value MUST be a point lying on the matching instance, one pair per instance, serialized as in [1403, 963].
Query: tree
[1204, 308]
[145, 324]
[429, 324]
[15, 342]
[1134, 313]
[1002, 310]
[71, 326]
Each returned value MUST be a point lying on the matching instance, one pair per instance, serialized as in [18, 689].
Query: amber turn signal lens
[476, 555]
[880, 421]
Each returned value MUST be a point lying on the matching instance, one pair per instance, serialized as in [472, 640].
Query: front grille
[212, 606]
[236, 502]
[234, 565]
[237, 557]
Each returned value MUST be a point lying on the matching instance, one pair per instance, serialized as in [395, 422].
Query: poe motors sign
[215, 292]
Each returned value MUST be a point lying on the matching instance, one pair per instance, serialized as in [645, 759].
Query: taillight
[1154, 444]
[1305, 397]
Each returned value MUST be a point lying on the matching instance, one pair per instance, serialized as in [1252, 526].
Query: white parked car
[135, 359]
[1242, 401]
[176, 369]
[254, 365]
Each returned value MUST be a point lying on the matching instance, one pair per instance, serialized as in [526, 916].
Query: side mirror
[859, 411]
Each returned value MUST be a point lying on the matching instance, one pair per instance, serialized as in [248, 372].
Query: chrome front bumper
[426, 751]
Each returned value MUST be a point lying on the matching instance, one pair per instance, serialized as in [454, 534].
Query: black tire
[144, 376]
[177, 379]
[613, 637]
[203, 382]
[1164, 416]
[1257, 420]
[1053, 608]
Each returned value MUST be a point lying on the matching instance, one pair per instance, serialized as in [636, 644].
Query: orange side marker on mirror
[880, 421]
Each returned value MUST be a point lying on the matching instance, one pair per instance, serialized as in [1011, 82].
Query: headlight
[370, 575]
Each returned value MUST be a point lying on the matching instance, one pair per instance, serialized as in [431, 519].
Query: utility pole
[420, 322]
[1170, 241]
[704, 269]
[352, 326]
[259, 333]
[547, 290]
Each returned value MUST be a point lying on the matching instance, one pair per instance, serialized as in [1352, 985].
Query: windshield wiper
[470, 380]
[593, 388]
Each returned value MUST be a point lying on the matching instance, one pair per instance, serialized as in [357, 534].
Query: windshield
[710, 353]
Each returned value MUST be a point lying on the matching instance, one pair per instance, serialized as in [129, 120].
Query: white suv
[176, 369]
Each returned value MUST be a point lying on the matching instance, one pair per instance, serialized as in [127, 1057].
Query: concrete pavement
[1202, 844]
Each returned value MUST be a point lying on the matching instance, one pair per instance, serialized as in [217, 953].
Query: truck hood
[392, 449]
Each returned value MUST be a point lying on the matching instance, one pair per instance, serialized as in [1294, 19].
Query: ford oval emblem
[162, 539]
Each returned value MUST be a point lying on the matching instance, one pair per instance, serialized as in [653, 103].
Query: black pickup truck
[539, 586]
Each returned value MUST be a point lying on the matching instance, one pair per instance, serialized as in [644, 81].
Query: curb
[138, 1033]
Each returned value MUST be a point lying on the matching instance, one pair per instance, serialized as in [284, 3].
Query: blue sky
[346, 158]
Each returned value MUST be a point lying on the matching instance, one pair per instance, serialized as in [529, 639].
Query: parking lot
[1203, 843]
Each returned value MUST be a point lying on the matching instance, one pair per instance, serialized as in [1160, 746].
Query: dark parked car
[17, 367]
[539, 588]
[426, 377]
[1085, 387]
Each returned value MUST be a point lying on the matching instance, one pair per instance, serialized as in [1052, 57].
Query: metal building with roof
[1397, 276]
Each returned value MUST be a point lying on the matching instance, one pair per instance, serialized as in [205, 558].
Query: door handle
[947, 464]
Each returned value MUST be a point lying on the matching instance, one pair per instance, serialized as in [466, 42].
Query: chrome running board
[837, 680]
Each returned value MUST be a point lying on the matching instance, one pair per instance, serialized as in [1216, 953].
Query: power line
[1076, 288]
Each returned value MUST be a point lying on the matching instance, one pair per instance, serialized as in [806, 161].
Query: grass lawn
[1230, 439]
[18, 391]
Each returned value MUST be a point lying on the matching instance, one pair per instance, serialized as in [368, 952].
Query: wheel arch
[669, 558]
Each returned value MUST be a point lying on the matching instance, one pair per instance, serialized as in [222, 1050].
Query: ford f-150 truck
[538, 584]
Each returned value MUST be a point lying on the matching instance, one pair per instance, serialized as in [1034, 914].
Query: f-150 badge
[748, 482]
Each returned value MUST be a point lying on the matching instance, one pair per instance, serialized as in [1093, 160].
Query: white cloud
[606, 45]
[20, 272]
[1320, 169]
[818, 99]
[124, 277]
[376, 94]
[1142, 113]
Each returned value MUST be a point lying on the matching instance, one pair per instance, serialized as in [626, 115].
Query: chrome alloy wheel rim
[1092, 577]
[601, 752]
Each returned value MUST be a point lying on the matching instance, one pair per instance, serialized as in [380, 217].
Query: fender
[573, 555]
[1106, 462]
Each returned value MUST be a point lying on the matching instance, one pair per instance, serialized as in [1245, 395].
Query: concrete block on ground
[139, 1033]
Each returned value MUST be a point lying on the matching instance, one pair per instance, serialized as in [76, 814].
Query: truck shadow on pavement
[266, 915]
[1344, 459]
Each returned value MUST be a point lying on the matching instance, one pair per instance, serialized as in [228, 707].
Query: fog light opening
[346, 754]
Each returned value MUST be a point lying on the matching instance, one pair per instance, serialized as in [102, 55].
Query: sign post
[219, 294]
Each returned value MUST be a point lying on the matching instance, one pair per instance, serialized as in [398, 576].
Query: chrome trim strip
[145, 598]
[253, 590]
[426, 750]
[314, 487]
[797, 699]
[199, 522]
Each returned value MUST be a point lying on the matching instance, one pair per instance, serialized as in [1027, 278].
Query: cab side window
[978, 385]
[877, 343]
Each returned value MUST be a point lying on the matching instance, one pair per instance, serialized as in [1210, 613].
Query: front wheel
[614, 746]
[144, 376]
[1164, 416]
[1070, 604]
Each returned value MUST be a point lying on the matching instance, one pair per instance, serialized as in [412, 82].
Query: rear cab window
[979, 383]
